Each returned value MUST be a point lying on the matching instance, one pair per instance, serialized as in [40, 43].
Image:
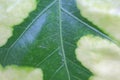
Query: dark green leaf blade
[47, 39]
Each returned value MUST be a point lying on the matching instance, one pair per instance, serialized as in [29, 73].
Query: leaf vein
[59, 68]
[48, 56]
[50, 5]
[87, 25]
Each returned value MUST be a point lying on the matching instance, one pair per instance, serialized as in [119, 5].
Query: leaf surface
[47, 39]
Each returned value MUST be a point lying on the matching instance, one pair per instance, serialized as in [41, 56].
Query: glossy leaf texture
[47, 39]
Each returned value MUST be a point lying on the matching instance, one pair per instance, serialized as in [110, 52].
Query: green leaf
[47, 39]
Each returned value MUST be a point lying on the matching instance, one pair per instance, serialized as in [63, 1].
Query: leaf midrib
[61, 39]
